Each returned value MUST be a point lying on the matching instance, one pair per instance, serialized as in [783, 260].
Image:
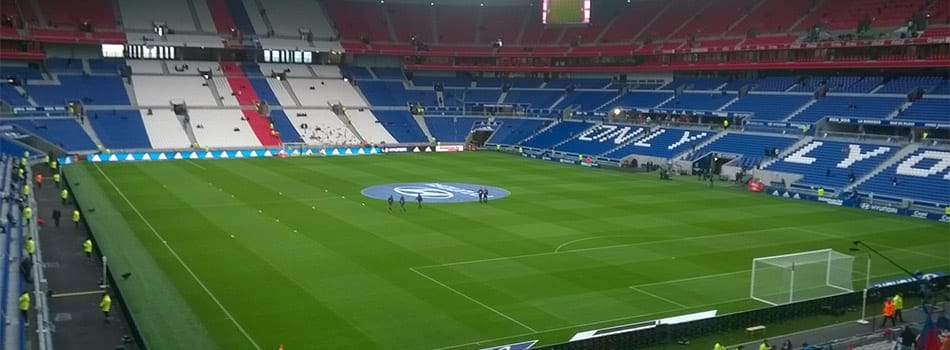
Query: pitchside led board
[565, 12]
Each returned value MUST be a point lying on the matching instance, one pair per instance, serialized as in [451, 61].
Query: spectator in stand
[888, 313]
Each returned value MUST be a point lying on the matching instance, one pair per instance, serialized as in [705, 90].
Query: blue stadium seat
[451, 129]
[922, 175]
[903, 85]
[600, 139]
[393, 93]
[577, 83]
[401, 125]
[840, 106]
[696, 83]
[9, 95]
[702, 101]
[65, 132]
[64, 65]
[283, 125]
[357, 73]
[830, 163]
[106, 66]
[514, 130]
[425, 81]
[769, 107]
[22, 72]
[555, 134]
[119, 129]
[777, 84]
[639, 99]
[663, 143]
[928, 109]
[388, 73]
[536, 98]
[586, 100]
[94, 90]
[747, 145]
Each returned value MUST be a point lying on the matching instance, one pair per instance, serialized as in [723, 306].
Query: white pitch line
[909, 251]
[499, 313]
[683, 239]
[658, 297]
[691, 278]
[180, 261]
[591, 323]
[196, 164]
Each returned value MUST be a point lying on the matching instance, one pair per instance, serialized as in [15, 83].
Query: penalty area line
[196, 165]
[180, 260]
[499, 313]
[658, 297]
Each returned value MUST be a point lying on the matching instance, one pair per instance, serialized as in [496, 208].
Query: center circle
[435, 192]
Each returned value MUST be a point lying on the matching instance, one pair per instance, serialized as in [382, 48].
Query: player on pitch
[390, 201]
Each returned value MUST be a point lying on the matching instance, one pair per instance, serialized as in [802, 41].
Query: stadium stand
[222, 128]
[600, 139]
[642, 99]
[92, 90]
[921, 175]
[513, 130]
[903, 85]
[662, 142]
[64, 132]
[534, 98]
[586, 100]
[771, 16]
[704, 101]
[927, 109]
[321, 127]
[451, 129]
[369, 127]
[769, 106]
[754, 146]
[849, 106]
[165, 130]
[555, 134]
[289, 16]
[401, 125]
[120, 129]
[831, 163]
[695, 83]
[151, 90]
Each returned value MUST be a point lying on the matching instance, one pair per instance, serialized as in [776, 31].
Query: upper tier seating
[69, 14]
[663, 143]
[9, 95]
[704, 101]
[143, 14]
[92, 90]
[586, 100]
[600, 139]
[555, 134]
[536, 98]
[289, 16]
[903, 85]
[160, 90]
[769, 107]
[514, 130]
[774, 83]
[922, 175]
[831, 163]
[641, 99]
[928, 109]
[321, 127]
[849, 106]
[317, 92]
[393, 93]
[695, 83]
[772, 16]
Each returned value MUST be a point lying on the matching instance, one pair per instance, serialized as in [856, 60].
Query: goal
[789, 278]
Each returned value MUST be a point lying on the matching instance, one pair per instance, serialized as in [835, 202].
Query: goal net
[789, 278]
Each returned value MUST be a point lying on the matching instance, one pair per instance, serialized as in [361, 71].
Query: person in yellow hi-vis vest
[56, 179]
[30, 246]
[64, 194]
[46, 159]
[26, 190]
[725, 124]
[87, 248]
[718, 346]
[25, 307]
[105, 305]
[821, 192]
[898, 306]
[54, 164]
[76, 218]
[27, 214]
[21, 173]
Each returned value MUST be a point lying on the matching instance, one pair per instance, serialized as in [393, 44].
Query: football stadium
[475, 174]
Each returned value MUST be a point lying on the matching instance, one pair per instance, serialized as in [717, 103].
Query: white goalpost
[789, 278]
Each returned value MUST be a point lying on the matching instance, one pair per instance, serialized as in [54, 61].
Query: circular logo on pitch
[435, 192]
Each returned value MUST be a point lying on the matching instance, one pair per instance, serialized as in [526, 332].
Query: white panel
[217, 128]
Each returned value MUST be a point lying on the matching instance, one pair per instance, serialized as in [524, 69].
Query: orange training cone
[281, 347]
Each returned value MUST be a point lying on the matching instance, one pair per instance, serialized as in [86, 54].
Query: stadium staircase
[743, 17]
[700, 147]
[639, 136]
[897, 111]
[896, 157]
[212, 85]
[246, 97]
[800, 109]
[188, 129]
[194, 15]
[541, 131]
[130, 90]
[87, 127]
[653, 20]
[421, 120]
[293, 95]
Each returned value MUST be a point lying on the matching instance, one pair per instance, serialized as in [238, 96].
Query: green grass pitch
[572, 249]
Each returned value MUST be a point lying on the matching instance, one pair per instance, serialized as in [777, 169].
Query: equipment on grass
[784, 279]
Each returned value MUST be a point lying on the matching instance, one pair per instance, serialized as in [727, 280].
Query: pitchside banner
[236, 154]
[847, 202]
[588, 161]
